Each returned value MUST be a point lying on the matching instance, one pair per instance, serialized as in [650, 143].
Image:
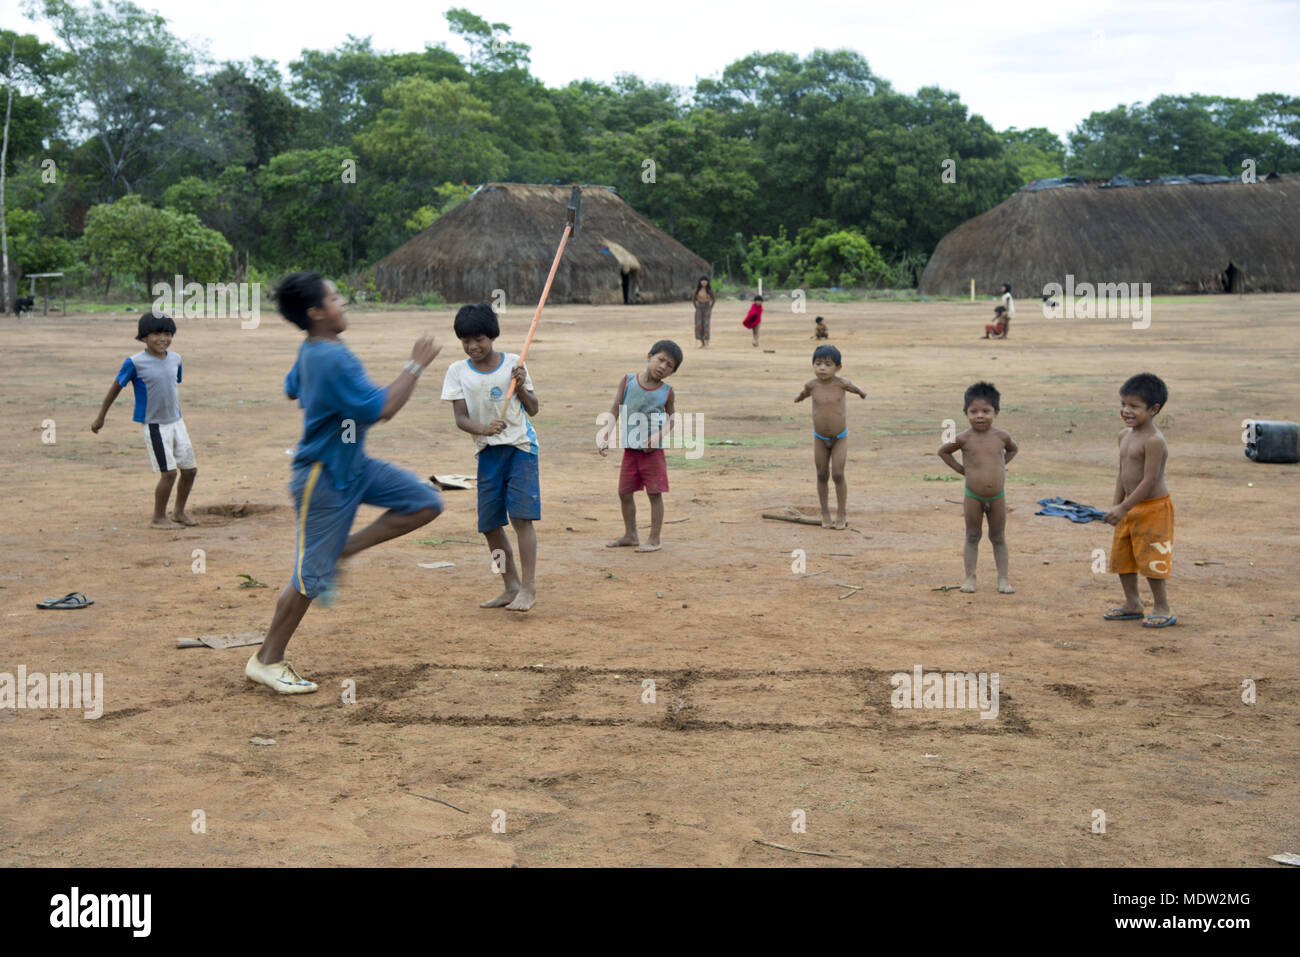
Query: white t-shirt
[483, 392]
[1009, 303]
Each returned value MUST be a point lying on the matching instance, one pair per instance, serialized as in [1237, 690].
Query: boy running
[155, 372]
[648, 405]
[985, 453]
[508, 485]
[1142, 513]
[332, 476]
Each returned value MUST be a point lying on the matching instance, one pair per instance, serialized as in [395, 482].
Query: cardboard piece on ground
[234, 640]
[445, 482]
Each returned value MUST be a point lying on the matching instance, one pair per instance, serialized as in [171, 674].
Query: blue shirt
[156, 397]
[339, 404]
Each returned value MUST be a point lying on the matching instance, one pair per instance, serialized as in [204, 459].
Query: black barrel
[1273, 441]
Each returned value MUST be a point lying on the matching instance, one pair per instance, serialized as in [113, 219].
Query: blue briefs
[824, 438]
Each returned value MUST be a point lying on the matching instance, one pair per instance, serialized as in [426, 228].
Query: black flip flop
[73, 599]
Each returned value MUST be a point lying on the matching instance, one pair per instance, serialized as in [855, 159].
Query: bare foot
[623, 542]
[164, 522]
[841, 524]
[502, 600]
[523, 601]
[649, 547]
[1004, 588]
[826, 521]
[184, 518]
[969, 585]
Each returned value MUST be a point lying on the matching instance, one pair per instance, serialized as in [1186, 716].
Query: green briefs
[991, 498]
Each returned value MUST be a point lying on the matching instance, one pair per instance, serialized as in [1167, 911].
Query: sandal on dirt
[73, 599]
[1160, 621]
[1122, 614]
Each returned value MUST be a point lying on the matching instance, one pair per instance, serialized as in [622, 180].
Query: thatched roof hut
[505, 236]
[1179, 238]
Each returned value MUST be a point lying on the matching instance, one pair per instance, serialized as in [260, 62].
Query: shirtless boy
[985, 453]
[830, 430]
[1142, 513]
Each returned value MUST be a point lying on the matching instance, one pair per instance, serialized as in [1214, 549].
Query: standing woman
[1007, 301]
[703, 298]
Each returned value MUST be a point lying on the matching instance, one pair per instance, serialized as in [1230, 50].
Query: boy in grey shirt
[155, 372]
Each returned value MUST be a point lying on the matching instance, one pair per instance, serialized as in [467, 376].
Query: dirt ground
[772, 688]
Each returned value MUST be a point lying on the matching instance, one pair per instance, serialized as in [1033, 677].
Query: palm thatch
[504, 237]
[1185, 238]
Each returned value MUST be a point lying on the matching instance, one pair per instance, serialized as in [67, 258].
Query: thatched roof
[505, 237]
[1178, 238]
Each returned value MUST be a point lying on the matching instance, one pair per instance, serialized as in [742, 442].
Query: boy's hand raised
[425, 350]
[520, 374]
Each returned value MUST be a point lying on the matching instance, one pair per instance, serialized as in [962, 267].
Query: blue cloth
[508, 486]
[339, 404]
[325, 513]
[156, 399]
[827, 438]
[1071, 510]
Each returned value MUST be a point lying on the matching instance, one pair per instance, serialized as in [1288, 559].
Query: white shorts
[169, 446]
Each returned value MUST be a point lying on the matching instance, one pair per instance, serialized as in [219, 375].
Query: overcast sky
[1018, 63]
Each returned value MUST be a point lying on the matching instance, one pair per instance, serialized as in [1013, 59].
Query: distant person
[1007, 301]
[644, 406]
[985, 454]
[1142, 513]
[998, 330]
[830, 430]
[509, 487]
[155, 372]
[754, 317]
[819, 329]
[331, 474]
[704, 300]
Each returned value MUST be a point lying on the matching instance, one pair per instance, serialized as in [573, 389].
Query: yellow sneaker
[279, 677]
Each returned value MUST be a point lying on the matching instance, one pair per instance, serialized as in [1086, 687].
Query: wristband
[414, 368]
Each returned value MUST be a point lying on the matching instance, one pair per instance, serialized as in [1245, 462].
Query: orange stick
[546, 291]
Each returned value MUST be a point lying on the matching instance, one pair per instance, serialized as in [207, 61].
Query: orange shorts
[1144, 540]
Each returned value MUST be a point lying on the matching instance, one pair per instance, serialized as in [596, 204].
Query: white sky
[1016, 62]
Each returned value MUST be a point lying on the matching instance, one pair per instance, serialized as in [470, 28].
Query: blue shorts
[325, 513]
[508, 486]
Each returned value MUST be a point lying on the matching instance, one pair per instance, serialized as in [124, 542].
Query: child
[704, 300]
[999, 328]
[1143, 515]
[508, 486]
[155, 373]
[754, 317]
[830, 430]
[819, 330]
[332, 475]
[985, 454]
[644, 465]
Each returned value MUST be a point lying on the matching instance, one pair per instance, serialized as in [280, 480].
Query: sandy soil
[772, 688]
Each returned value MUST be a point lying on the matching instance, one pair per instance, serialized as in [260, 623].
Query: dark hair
[828, 352]
[669, 348]
[701, 281]
[997, 309]
[1147, 387]
[480, 319]
[981, 390]
[298, 292]
[152, 322]
[1006, 286]
[758, 298]
[819, 319]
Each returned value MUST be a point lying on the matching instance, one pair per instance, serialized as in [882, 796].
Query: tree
[130, 236]
[134, 86]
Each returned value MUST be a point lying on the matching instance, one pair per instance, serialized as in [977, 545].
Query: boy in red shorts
[1142, 514]
[644, 408]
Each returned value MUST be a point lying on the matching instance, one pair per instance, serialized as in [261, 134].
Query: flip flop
[1162, 621]
[73, 599]
[1122, 614]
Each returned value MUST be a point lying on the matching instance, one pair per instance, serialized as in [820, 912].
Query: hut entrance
[630, 269]
[1233, 279]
